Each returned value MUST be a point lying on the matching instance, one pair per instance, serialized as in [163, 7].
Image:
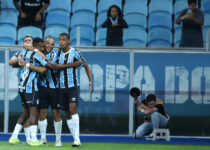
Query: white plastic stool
[161, 134]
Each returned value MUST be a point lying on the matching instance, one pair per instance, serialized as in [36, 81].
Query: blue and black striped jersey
[49, 79]
[68, 77]
[28, 79]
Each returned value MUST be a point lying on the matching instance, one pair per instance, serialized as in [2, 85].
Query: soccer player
[27, 40]
[28, 91]
[69, 86]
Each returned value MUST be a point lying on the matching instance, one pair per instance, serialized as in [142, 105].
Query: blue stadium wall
[181, 79]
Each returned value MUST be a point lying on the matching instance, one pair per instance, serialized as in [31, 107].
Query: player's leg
[55, 106]
[33, 119]
[73, 121]
[158, 120]
[42, 123]
[27, 131]
[44, 102]
[18, 127]
[57, 126]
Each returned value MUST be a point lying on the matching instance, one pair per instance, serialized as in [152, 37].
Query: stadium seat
[84, 5]
[161, 5]
[136, 20]
[179, 6]
[9, 6]
[103, 5]
[9, 17]
[64, 5]
[55, 31]
[160, 19]
[134, 37]
[29, 30]
[7, 35]
[205, 6]
[158, 36]
[58, 18]
[136, 7]
[177, 37]
[159, 44]
[86, 36]
[100, 19]
[85, 18]
[101, 37]
[206, 20]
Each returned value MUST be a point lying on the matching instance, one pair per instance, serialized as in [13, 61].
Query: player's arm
[64, 66]
[30, 47]
[39, 69]
[88, 72]
[13, 62]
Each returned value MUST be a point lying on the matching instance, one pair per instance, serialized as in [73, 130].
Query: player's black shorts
[48, 97]
[68, 95]
[29, 99]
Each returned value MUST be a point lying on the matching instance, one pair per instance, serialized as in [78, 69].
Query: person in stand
[192, 20]
[31, 12]
[114, 24]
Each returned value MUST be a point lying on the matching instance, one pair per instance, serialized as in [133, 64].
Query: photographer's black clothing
[161, 109]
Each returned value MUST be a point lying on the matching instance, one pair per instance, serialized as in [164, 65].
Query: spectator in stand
[31, 12]
[192, 19]
[114, 24]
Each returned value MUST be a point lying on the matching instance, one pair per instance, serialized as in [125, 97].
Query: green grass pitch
[104, 146]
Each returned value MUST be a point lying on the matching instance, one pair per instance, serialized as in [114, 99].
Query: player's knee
[56, 115]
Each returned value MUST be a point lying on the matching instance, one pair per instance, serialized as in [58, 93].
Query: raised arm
[30, 47]
[13, 62]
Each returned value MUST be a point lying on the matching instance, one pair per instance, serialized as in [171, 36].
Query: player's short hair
[150, 97]
[50, 37]
[37, 40]
[192, 1]
[65, 34]
[28, 36]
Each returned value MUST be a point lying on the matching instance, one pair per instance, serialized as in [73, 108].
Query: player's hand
[115, 25]
[38, 17]
[21, 62]
[28, 46]
[90, 87]
[188, 16]
[22, 15]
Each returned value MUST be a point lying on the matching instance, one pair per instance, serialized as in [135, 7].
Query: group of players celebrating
[48, 77]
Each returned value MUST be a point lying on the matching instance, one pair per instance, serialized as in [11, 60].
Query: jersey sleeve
[77, 55]
[39, 60]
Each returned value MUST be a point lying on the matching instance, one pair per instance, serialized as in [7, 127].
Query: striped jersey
[49, 78]
[67, 78]
[81, 57]
[28, 78]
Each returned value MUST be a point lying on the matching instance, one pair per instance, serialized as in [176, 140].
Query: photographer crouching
[155, 116]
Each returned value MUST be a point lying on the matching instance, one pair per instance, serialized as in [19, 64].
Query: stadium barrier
[179, 76]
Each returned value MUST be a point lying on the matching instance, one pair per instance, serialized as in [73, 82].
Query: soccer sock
[43, 128]
[71, 127]
[33, 130]
[27, 133]
[75, 119]
[18, 128]
[58, 129]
